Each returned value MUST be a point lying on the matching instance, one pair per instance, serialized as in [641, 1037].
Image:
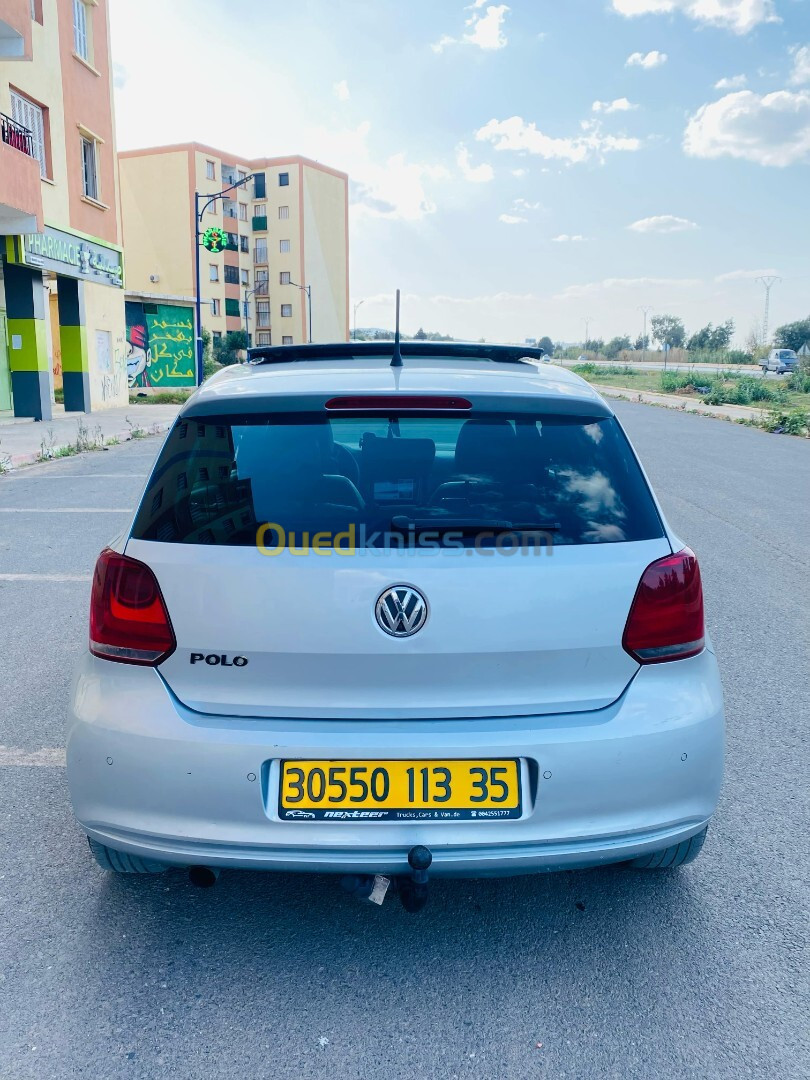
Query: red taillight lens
[666, 617]
[128, 618]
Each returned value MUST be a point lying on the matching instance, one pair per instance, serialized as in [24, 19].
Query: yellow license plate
[399, 790]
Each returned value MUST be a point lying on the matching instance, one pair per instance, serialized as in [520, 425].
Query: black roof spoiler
[438, 350]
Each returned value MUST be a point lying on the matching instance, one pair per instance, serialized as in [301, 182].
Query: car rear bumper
[150, 777]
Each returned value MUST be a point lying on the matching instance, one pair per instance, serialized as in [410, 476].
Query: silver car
[371, 619]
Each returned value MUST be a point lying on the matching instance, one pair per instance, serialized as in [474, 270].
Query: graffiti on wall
[160, 345]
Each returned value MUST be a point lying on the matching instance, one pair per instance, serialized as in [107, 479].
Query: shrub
[672, 381]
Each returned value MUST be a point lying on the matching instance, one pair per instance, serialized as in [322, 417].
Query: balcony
[15, 30]
[259, 224]
[20, 184]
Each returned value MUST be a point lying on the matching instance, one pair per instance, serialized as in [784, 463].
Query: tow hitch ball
[413, 890]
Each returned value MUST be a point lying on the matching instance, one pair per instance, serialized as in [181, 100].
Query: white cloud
[519, 172]
[626, 285]
[341, 90]
[739, 16]
[564, 238]
[663, 223]
[483, 30]
[801, 65]
[648, 60]
[773, 129]
[520, 135]
[512, 219]
[619, 105]
[524, 204]
[733, 82]
[746, 275]
[476, 174]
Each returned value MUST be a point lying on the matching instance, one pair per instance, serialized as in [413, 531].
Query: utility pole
[308, 290]
[645, 310]
[587, 321]
[354, 330]
[768, 281]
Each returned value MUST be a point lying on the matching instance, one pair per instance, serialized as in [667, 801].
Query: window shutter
[28, 114]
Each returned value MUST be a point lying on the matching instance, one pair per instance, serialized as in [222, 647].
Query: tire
[122, 863]
[677, 855]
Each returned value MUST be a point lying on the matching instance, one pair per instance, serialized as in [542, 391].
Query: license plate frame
[375, 811]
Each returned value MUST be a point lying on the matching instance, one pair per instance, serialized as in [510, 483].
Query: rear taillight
[128, 618]
[666, 617]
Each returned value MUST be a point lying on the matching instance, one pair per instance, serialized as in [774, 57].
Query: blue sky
[516, 168]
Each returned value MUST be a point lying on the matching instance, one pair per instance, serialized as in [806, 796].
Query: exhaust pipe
[204, 877]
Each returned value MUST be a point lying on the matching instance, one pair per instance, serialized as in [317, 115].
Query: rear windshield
[219, 479]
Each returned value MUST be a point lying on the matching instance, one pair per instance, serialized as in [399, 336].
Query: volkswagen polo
[380, 608]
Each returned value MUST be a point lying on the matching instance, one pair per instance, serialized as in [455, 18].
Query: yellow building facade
[62, 324]
[287, 226]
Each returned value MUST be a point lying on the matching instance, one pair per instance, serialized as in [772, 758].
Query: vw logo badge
[401, 611]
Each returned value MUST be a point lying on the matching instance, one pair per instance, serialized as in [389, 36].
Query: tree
[668, 330]
[595, 345]
[420, 335]
[226, 349]
[642, 342]
[617, 345]
[792, 335]
[546, 344]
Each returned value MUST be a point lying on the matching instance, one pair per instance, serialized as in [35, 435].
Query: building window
[284, 246]
[243, 245]
[241, 174]
[283, 213]
[215, 306]
[232, 308]
[286, 339]
[284, 277]
[260, 209]
[286, 311]
[217, 335]
[213, 272]
[210, 170]
[81, 37]
[90, 167]
[34, 118]
[262, 313]
[263, 338]
[283, 179]
[233, 241]
[244, 277]
[242, 211]
[212, 207]
[261, 282]
[260, 251]
[231, 275]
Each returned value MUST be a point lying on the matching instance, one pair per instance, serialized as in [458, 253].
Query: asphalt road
[701, 972]
[658, 365]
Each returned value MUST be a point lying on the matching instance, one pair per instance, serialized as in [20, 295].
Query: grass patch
[165, 397]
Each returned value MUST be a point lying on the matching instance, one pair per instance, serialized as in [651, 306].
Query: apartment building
[62, 325]
[287, 226]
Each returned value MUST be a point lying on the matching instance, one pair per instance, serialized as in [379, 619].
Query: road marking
[46, 577]
[47, 757]
[65, 510]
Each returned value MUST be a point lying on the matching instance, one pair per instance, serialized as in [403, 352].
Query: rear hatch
[273, 536]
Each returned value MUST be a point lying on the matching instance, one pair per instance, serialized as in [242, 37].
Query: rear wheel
[677, 855]
[122, 863]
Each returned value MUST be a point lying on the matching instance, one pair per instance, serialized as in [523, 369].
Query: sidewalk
[24, 441]
[681, 402]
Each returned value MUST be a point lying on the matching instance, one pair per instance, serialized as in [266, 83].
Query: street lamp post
[354, 321]
[198, 213]
[308, 290]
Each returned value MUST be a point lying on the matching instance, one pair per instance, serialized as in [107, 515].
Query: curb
[16, 461]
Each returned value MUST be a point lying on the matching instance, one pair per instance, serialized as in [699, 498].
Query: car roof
[247, 387]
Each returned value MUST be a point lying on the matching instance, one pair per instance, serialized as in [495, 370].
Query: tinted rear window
[220, 478]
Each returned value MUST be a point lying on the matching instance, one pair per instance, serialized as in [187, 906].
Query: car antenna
[396, 359]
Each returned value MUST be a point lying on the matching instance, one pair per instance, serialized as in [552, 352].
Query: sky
[515, 169]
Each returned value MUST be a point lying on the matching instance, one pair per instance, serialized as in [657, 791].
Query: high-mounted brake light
[128, 617]
[666, 616]
[398, 403]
